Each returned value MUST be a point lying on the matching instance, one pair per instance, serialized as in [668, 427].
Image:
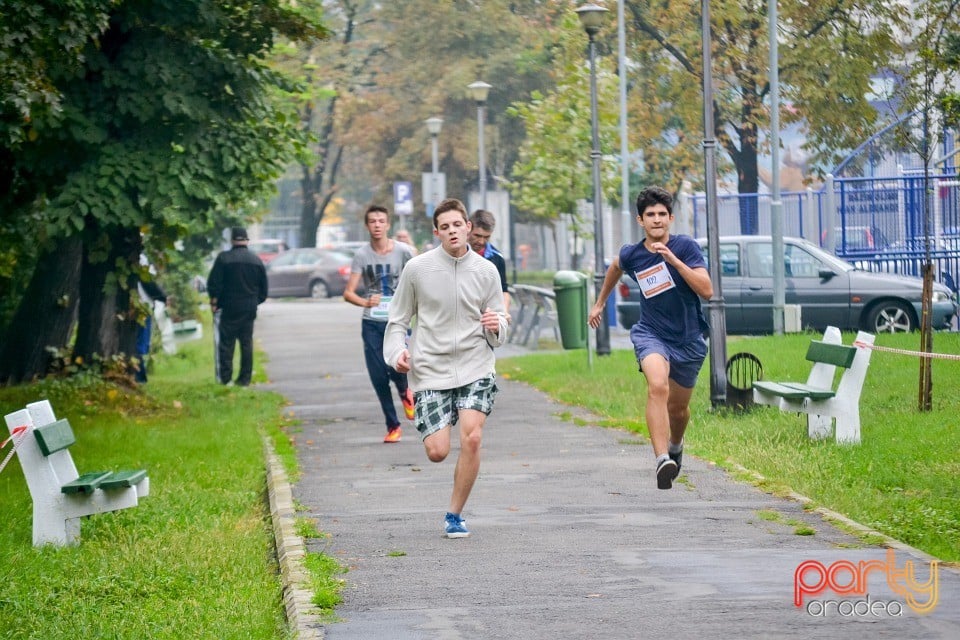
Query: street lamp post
[591, 17]
[478, 91]
[716, 305]
[433, 128]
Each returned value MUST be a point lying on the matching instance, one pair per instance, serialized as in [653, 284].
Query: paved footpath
[571, 537]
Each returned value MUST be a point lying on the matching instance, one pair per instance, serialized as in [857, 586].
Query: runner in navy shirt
[668, 339]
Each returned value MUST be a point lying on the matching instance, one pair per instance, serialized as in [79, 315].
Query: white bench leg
[848, 428]
[51, 527]
[819, 427]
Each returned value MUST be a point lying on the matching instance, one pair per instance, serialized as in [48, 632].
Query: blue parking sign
[403, 198]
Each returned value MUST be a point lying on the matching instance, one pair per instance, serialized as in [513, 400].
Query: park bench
[817, 397]
[537, 311]
[61, 496]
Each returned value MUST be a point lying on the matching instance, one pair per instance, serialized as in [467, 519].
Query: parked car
[830, 291]
[317, 273]
[858, 238]
[268, 248]
[349, 248]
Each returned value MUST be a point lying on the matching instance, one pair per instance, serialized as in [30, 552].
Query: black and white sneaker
[678, 458]
[667, 472]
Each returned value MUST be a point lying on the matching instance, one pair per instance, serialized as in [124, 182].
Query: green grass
[196, 557]
[901, 480]
[326, 586]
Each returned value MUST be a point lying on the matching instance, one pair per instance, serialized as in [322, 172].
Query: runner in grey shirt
[377, 267]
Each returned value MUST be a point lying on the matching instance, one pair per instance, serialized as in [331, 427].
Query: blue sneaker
[455, 527]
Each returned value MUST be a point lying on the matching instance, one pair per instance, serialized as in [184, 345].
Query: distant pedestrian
[456, 298]
[237, 285]
[668, 339]
[404, 236]
[377, 266]
[482, 224]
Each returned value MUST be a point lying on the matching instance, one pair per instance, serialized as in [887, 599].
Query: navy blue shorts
[685, 359]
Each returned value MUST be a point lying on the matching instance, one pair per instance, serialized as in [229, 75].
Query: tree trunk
[925, 397]
[45, 316]
[308, 208]
[107, 322]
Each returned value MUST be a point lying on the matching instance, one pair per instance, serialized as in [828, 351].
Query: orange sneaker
[393, 435]
[408, 405]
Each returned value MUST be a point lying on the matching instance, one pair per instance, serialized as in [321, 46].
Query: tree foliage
[390, 66]
[555, 168]
[925, 94]
[167, 123]
[828, 53]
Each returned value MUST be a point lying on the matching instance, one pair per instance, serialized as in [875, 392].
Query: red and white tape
[17, 435]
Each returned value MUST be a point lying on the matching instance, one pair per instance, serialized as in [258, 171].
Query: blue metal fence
[875, 222]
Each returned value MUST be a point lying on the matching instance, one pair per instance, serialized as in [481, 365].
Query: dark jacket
[238, 281]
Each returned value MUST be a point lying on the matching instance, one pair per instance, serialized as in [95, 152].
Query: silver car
[829, 291]
[317, 273]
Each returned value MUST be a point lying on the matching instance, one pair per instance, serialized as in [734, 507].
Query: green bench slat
[86, 483]
[54, 437]
[123, 479]
[106, 480]
[186, 326]
[793, 390]
[838, 355]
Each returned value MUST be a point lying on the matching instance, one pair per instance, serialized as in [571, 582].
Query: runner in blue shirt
[483, 222]
[668, 339]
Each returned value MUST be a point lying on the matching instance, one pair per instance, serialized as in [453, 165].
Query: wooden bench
[61, 496]
[817, 397]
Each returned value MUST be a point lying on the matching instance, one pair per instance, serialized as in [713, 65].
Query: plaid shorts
[438, 409]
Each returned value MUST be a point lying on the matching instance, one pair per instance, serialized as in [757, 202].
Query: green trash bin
[570, 289]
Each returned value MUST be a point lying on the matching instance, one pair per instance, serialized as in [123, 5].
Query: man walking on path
[668, 338]
[378, 266]
[237, 285]
[456, 297]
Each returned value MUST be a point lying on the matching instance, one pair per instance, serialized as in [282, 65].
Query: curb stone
[302, 620]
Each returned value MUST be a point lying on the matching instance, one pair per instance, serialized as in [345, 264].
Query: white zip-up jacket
[449, 347]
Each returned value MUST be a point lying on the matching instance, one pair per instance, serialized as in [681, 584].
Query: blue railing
[876, 222]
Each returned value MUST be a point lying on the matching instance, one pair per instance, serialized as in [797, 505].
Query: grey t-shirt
[379, 273]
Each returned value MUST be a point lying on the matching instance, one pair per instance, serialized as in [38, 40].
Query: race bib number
[655, 280]
[381, 311]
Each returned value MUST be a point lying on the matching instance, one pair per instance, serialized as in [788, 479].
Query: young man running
[668, 339]
[455, 295]
[378, 266]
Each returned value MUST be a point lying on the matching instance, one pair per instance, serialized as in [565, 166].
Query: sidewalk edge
[304, 624]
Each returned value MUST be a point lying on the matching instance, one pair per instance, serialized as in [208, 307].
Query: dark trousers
[236, 326]
[379, 371]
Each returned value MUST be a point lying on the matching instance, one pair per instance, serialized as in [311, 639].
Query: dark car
[317, 273]
[829, 291]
